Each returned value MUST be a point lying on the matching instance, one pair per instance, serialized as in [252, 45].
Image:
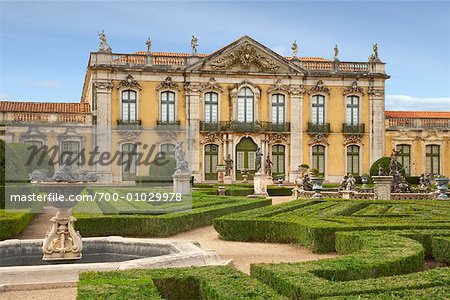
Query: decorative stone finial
[104, 46]
[194, 45]
[336, 52]
[149, 45]
[294, 49]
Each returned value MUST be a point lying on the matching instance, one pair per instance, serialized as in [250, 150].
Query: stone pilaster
[296, 131]
[193, 130]
[376, 130]
[102, 130]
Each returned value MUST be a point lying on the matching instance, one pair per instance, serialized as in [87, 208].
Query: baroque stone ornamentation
[212, 137]
[167, 137]
[129, 83]
[128, 136]
[319, 139]
[211, 85]
[353, 139]
[319, 88]
[103, 85]
[245, 56]
[277, 86]
[168, 84]
[276, 138]
[354, 89]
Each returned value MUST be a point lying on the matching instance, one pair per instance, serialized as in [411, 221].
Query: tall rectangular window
[353, 159]
[129, 106]
[433, 159]
[128, 161]
[318, 109]
[168, 107]
[318, 158]
[278, 108]
[70, 149]
[245, 106]
[352, 111]
[211, 107]
[404, 158]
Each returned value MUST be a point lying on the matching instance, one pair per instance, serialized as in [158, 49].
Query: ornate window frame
[256, 97]
[286, 96]
[424, 155]
[168, 86]
[121, 151]
[204, 92]
[219, 155]
[34, 134]
[360, 156]
[124, 89]
[70, 135]
[325, 156]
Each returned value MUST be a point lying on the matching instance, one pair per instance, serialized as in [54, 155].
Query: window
[433, 159]
[318, 109]
[404, 157]
[352, 113]
[128, 161]
[168, 107]
[278, 109]
[128, 106]
[245, 105]
[211, 159]
[353, 160]
[168, 150]
[278, 159]
[71, 149]
[211, 107]
[318, 158]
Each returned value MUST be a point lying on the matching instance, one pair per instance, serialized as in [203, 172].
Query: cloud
[4, 96]
[47, 84]
[404, 102]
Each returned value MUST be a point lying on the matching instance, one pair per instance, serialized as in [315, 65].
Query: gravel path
[242, 253]
[39, 225]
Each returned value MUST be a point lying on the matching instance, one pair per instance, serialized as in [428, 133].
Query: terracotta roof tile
[44, 107]
[418, 114]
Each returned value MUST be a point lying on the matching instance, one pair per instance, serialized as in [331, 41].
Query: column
[193, 130]
[102, 131]
[295, 151]
[376, 131]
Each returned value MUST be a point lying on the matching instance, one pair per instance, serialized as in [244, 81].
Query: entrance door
[211, 157]
[278, 156]
[245, 157]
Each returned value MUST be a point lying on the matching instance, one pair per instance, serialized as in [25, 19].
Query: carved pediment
[353, 89]
[246, 55]
[319, 88]
[129, 82]
[168, 84]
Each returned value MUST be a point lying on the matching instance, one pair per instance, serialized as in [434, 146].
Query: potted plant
[317, 180]
[442, 183]
[365, 180]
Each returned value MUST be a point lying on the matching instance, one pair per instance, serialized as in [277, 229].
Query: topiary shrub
[384, 161]
[22, 159]
[162, 169]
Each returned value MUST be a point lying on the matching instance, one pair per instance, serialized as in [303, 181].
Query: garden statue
[181, 165]
[258, 159]
[194, 44]
[344, 183]
[228, 165]
[294, 49]
[399, 183]
[380, 170]
[351, 183]
[425, 183]
[268, 166]
[38, 175]
[104, 46]
[307, 183]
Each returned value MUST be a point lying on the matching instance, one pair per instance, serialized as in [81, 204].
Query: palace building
[328, 114]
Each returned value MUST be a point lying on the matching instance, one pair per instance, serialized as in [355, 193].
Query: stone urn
[442, 184]
[317, 186]
[365, 181]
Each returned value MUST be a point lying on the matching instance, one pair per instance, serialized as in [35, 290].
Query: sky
[44, 46]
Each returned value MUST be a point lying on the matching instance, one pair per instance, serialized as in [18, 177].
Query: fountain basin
[21, 260]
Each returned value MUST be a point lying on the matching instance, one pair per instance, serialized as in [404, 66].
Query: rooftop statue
[336, 52]
[294, 49]
[104, 46]
[149, 45]
[194, 44]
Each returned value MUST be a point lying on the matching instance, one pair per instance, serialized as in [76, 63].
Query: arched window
[129, 112]
[404, 157]
[318, 158]
[128, 161]
[168, 150]
[353, 159]
[352, 111]
[318, 109]
[211, 107]
[278, 159]
[168, 107]
[433, 162]
[278, 109]
[245, 109]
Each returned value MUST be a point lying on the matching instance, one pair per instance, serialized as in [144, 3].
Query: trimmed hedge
[441, 249]
[205, 209]
[11, 224]
[435, 293]
[373, 262]
[314, 223]
[183, 283]
[384, 161]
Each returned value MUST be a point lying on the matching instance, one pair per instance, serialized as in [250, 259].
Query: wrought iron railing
[353, 128]
[318, 127]
[129, 122]
[235, 126]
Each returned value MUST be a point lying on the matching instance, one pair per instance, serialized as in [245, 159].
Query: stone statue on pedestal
[228, 165]
[268, 166]
[194, 44]
[104, 46]
[181, 165]
[294, 49]
[258, 159]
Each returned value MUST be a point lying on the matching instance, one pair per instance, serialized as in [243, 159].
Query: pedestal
[227, 179]
[62, 242]
[220, 176]
[182, 183]
[260, 184]
[382, 187]
[347, 194]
